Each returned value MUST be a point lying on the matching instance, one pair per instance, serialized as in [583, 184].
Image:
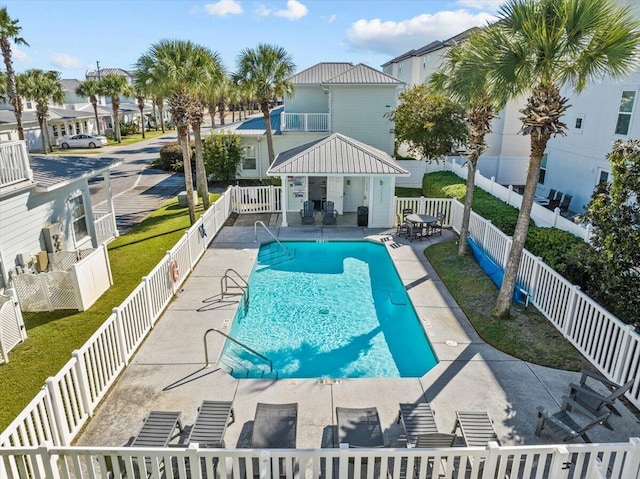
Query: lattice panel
[83, 253]
[60, 287]
[62, 260]
[31, 294]
[45, 291]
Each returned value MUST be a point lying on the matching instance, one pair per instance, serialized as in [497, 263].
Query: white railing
[613, 461]
[256, 199]
[611, 345]
[304, 122]
[14, 163]
[105, 226]
[12, 330]
[67, 400]
[541, 215]
[426, 206]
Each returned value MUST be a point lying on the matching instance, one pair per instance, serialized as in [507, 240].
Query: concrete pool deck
[168, 372]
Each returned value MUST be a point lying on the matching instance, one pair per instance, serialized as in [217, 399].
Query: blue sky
[70, 36]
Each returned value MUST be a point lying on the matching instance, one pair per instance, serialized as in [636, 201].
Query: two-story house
[332, 139]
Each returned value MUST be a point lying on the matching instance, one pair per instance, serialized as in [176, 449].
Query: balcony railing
[305, 121]
[14, 163]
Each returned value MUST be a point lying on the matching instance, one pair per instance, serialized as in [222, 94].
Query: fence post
[632, 461]
[48, 462]
[108, 263]
[57, 409]
[556, 214]
[509, 194]
[571, 311]
[507, 251]
[122, 342]
[272, 200]
[194, 461]
[493, 453]
[493, 180]
[83, 381]
[560, 457]
[623, 354]
[422, 206]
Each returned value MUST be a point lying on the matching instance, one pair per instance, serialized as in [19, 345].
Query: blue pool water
[336, 310]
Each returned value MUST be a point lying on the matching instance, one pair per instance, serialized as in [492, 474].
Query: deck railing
[14, 163]
[256, 199]
[305, 121]
[105, 226]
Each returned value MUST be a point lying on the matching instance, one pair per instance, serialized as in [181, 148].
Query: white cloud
[295, 10]
[481, 4]
[330, 19]
[62, 60]
[393, 38]
[263, 11]
[18, 55]
[223, 7]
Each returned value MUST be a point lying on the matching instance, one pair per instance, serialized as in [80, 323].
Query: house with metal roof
[45, 205]
[344, 102]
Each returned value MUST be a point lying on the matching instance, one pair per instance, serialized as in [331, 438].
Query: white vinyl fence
[256, 199]
[105, 227]
[68, 399]
[613, 461]
[611, 345]
[12, 330]
[76, 280]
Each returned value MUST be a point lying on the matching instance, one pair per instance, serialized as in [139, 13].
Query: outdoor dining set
[415, 226]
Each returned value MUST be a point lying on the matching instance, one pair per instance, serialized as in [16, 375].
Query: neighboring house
[45, 205]
[329, 98]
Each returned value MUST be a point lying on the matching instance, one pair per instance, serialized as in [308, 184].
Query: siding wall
[307, 100]
[358, 112]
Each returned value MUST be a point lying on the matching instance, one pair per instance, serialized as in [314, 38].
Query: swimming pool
[333, 310]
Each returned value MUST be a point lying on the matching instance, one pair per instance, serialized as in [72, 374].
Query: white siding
[307, 100]
[358, 112]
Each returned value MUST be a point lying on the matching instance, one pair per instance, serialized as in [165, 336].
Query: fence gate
[12, 329]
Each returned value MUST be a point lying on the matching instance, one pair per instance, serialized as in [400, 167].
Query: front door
[335, 192]
[353, 193]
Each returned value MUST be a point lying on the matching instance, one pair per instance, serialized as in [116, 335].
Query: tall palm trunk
[5, 46]
[221, 110]
[472, 164]
[141, 108]
[43, 136]
[46, 131]
[94, 104]
[155, 114]
[201, 174]
[264, 106]
[183, 133]
[115, 106]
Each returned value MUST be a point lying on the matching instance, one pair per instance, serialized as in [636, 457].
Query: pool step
[275, 256]
[241, 367]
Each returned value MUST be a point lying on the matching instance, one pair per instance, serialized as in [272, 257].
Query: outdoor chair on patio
[359, 427]
[596, 402]
[436, 228]
[552, 195]
[158, 429]
[308, 213]
[211, 423]
[476, 427]
[274, 426]
[417, 420]
[329, 215]
[553, 204]
[564, 204]
[561, 424]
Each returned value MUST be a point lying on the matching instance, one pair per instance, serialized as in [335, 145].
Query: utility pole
[98, 65]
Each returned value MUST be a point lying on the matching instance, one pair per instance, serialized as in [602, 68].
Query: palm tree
[43, 88]
[115, 86]
[158, 102]
[91, 89]
[463, 77]
[140, 96]
[184, 71]
[10, 31]
[266, 69]
[537, 47]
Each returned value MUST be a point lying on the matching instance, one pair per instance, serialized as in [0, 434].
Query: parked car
[83, 141]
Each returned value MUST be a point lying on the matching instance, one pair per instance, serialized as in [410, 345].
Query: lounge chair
[308, 213]
[564, 204]
[211, 423]
[562, 425]
[417, 420]
[158, 429]
[593, 401]
[553, 204]
[329, 215]
[476, 428]
[359, 427]
[274, 426]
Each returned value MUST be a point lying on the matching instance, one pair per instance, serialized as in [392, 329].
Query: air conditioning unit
[53, 238]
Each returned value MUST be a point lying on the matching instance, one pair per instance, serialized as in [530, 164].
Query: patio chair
[476, 427]
[406, 212]
[308, 213]
[211, 423]
[417, 420]
[359, 427]
[561, 424]
[593, 401]
[402, 228]
[553, 204]
[564, 204]
[329, 215]
[274, 426]
[552, 194]
[436, 228]
[158, 429]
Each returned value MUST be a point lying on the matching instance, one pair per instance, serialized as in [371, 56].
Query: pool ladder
[244, 346]
[234, 282]
[280, 255]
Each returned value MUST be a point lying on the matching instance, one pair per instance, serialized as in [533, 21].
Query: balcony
[14, 163]
[305, 122]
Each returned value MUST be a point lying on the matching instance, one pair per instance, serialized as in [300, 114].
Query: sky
[71, 36]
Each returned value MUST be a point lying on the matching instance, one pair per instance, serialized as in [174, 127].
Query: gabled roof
[68, 114]
[342, 74]
[335, 155]
[69, 85]
[109, 71]
[53, 172]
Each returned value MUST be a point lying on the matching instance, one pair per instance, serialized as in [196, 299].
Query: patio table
[419, 223]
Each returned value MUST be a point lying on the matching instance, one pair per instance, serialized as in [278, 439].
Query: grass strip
[527, 335]
[53, 336]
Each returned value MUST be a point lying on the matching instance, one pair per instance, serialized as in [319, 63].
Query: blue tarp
[494, 271]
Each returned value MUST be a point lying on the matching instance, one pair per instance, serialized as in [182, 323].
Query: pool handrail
[206, 349]
[224, 285]
[255, 234]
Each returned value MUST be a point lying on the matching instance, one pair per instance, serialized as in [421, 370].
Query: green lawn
[126, 140]
[52, 336]
[528, 335]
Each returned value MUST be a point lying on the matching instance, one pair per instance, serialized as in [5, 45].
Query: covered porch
[341, 170]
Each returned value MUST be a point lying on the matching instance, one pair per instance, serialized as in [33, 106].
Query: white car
[83, 141]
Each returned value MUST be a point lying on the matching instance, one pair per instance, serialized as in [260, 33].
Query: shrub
[222, 155]
[171, 157]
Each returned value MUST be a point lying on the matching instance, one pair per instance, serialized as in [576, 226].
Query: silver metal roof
[335, 155]
[342, 74]
[319, 73]
[52, 172]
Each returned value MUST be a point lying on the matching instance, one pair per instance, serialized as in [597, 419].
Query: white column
[107, 185]
[285, 199]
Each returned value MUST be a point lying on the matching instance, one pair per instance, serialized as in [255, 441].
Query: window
[603, 176]
[624, 112]
[29, 105]
[78, 218]
[578, 123]
[63, 130]
[55, 130]
[543, 169]
[249, 158]
[400, 66]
